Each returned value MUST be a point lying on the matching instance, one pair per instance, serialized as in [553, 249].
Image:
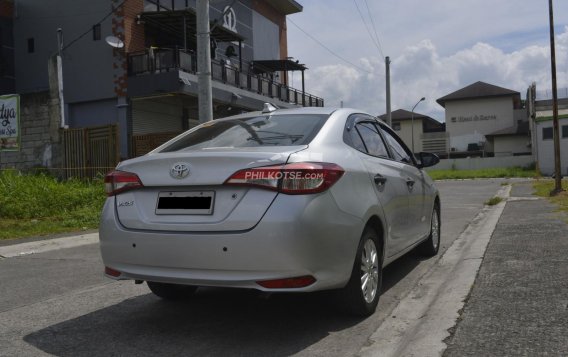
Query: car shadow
[399, 269]
[215, 321]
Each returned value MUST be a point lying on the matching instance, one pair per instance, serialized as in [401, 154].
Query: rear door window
[268, 130]
[399, 150]
[374, 144]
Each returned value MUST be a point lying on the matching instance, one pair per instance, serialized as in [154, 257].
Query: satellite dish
[114, 41]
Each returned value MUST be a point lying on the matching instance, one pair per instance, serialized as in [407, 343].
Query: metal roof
[402, 115]
[286, 7]
[477, 90]
[174, 20]
[263, 66]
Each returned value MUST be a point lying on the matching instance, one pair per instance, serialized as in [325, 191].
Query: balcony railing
[166, 59]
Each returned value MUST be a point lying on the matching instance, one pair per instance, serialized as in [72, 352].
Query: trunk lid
[233, 208]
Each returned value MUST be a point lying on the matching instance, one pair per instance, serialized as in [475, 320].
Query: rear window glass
[269, 130]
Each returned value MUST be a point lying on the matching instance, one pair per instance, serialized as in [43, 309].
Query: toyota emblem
[179, 170]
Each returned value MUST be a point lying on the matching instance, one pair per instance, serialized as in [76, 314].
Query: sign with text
[10, 122]
[463, 119]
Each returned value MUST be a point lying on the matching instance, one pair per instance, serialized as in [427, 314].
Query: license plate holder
[185, 202]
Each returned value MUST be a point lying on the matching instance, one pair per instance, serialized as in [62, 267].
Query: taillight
[120, 181]
[292, 179]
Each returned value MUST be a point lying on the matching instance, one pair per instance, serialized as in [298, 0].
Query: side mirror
[427, 159]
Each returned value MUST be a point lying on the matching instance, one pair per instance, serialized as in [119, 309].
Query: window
[270, 130]
[97, 32]
[357, 141]
[547, 133]
[396, 126]
[565, 131]
[31, 45]
[372, 139]
[399, 150]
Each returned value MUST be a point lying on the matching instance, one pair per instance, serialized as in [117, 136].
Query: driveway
[58, 303]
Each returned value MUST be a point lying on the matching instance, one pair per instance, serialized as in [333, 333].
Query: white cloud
[436, 47]
[421, 71]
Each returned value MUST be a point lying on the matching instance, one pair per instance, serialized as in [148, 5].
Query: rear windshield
[269, 130]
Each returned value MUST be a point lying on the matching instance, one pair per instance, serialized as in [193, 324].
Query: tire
[431, 245]
[361, 298]
[171, 291]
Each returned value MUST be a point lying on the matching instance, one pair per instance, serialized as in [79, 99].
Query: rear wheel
[431, 245]
[171, 291]
[363, 290]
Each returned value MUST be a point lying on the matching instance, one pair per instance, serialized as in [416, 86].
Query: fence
[476, 163]
[166, 59]
[143, 144]
[88, 152]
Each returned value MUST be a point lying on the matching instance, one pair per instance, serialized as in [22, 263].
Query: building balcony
[160, 70]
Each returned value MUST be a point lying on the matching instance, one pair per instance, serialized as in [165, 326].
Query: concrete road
[58, 303]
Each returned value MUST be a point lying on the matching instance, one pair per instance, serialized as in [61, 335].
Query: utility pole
[60, 77]
[388, 90]
[205, 95]
[557, 165]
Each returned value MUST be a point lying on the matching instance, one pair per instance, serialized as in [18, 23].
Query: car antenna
[269, 108]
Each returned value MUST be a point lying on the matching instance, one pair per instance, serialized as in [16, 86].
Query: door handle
[380, 180]
[410, 182]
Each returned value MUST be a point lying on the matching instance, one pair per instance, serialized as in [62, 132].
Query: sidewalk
[518, 305]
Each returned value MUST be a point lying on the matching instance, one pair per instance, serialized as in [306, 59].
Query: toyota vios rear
[263, 201]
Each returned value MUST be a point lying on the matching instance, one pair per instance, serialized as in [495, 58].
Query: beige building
[486, 120]
[419, 132]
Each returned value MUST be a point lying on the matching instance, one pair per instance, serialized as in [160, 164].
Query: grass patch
[494, 201]
[482, 173]
[33, 205]
[544, 186]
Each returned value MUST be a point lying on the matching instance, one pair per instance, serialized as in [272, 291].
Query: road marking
[420, 322]
[47, 245]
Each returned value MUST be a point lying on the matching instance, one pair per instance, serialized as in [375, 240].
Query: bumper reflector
[288, 283]
[112, 272]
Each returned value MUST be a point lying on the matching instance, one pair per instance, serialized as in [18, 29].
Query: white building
[545, 136]
[486, 120]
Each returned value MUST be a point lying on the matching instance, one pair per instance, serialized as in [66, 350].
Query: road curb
[420, 322]
[42, 246]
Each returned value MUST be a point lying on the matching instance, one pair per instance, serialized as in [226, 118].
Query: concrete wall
[545, 149]
[484, 163]
[93, 113]
[265, 34]
[509, 145]
[7, 83]
[40, 147]
[468, 121]
[87, 64]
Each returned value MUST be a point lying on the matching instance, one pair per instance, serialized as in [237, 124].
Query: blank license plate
[195, 202]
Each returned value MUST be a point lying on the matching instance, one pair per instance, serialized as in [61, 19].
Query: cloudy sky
[436, 47]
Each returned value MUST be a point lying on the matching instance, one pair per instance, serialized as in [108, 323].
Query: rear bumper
[298, 236]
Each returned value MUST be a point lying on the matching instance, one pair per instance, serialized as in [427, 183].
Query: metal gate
[90, 152]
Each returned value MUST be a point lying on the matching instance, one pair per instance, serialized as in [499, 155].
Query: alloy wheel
[369, 271]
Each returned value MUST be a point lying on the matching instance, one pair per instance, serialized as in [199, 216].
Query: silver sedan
[293, 200]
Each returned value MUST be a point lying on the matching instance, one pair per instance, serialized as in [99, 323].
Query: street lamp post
[412, 123]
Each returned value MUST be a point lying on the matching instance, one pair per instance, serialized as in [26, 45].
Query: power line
[375, 29]
[367, 28]
[328, 49]
[89, 30]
